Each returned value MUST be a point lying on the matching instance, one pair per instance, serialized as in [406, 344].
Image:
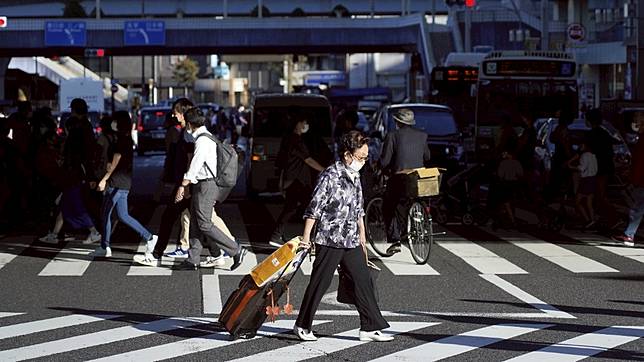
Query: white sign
[89, 90]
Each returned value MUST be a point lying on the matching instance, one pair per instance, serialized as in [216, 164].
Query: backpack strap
[216, 141]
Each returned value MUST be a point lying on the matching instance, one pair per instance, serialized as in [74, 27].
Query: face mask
[356, 165]
[305, 128]
[189, 130]
[114, 127]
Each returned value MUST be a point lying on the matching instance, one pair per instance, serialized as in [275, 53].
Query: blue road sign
[144, 32]
[312, 79]
[65, 33]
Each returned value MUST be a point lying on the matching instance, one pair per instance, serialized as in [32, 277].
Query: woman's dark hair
[106, 124]
[351, 141]
[170, 120]
[195, 117]
[123, 122]
[181, 105]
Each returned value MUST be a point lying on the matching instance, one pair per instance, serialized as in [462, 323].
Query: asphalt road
[483, 296]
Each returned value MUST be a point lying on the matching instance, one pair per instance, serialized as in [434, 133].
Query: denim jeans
[117, 198]
[636, 211]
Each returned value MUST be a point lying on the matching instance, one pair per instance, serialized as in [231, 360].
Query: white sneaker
[213, 262]
[105, 253]
[50, 238]
[92, 238]
[304, 334]
[147, 259]
[149, 246]
[376, 336]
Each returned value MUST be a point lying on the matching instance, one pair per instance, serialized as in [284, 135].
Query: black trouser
[169, 218]
[395, 207]
[354, 263]
[297, 194]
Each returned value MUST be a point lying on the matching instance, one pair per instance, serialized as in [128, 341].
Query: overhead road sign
[144, 32]
[65, 33]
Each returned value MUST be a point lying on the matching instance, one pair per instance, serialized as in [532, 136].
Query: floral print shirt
[337, 205]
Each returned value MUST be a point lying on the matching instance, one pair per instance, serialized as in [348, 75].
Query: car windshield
[434, 121]
[153, 118]
[273, 121]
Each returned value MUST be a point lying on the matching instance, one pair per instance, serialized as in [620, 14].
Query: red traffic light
[94, 52]
[3, 21]
[470, 3]
[100, 52]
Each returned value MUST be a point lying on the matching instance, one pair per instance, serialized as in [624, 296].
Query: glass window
[154, 118]
[434, 121]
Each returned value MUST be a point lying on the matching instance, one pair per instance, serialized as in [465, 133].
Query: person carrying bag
[337, 212]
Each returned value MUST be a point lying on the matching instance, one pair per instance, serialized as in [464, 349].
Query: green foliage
[185, 72]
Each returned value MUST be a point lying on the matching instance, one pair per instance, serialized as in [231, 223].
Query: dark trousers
[202, 229]
[395, 207]
[297, 195]
[353, 262]
[168, 219]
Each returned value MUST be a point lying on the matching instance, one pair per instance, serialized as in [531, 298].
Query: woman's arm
[110, 169]
[361, 232]
[306, 237]
[313, 164]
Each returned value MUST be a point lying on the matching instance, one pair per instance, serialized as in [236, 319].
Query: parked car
[445, 141]
[269, 124]
[151, 129]
[578, 131]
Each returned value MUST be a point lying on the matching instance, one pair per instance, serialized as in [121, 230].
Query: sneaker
[105, 253]
[304, 334]
[177, 254]
[238, 259]
[375, 336]
[92, 238]
[393, 249]
[150, 244]
[590, 224]
[185, 265]
[50, 238]
[147, 259]
[213, 262]
[625, 239]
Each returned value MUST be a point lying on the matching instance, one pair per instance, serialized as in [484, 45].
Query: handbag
[346, 290]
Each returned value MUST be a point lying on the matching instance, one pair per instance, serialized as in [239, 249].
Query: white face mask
[114, 126]
[356, 165]
[305, 128]
[189, 130]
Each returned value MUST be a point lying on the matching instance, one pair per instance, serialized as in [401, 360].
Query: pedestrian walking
[296, 164]
[587, 166]
[404, 148]
[201, 174]
[337, 211]
[636, 188]
[117, 183]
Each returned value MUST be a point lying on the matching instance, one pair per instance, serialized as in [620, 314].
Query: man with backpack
[212, 168]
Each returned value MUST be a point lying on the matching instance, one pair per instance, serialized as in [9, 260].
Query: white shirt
[588, 164]
[205, 153]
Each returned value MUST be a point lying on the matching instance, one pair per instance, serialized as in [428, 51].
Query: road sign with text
[144, 32]
[65, 33]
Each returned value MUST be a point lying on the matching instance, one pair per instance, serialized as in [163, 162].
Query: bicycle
[420, 227]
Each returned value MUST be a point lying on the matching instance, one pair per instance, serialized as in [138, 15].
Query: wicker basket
[422, 182]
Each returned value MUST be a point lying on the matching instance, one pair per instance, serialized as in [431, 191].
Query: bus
[538, 84]
[454, 87]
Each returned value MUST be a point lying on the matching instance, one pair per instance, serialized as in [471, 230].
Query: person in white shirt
[587, 169]
[201, 174]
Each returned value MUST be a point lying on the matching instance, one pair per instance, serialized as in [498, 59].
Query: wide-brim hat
[404, 116]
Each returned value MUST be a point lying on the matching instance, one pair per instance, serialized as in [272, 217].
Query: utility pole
[112, 80]
[545, 29]
[468, 29]
[639, 88]
[143, 97]
[98, 9]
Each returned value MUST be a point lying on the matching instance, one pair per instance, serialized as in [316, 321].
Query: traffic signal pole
[639, 83]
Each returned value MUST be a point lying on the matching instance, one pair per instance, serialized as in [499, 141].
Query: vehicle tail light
[258, 153]
[140, 127]
[59, 131]
[99, 130]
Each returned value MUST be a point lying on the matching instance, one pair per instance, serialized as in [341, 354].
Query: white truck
[88, 89]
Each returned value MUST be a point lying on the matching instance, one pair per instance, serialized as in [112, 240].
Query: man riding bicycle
[404, 148]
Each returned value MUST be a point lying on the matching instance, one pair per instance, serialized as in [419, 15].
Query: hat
[405, 116]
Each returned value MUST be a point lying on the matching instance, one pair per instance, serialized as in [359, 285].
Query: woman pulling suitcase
[337, 211]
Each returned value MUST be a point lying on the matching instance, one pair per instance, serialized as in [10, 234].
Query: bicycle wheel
[420, 232]
[375, 226]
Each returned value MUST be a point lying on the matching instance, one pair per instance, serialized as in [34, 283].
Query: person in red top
[637, 181]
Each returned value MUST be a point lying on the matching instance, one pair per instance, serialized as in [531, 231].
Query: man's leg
[292, 199]
[184, 236]
[169, 218]
[203, 201]
[636, 212]
[194, 252]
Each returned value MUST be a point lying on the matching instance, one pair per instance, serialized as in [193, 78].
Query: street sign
[3, 21]
[144, 32]
[65, 33]
[329, 78]
[576, 32]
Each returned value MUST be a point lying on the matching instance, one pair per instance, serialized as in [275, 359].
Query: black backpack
[227, 163]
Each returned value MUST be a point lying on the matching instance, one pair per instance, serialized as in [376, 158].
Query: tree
[255, 12]
[74, 9]
[298, 13]
[185, 73]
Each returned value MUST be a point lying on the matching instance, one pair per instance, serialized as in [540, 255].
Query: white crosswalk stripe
[402, 264]
[482, 259]
[204, 339]
[636, 254]
[73, 260]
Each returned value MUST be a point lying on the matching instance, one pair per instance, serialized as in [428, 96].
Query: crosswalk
[114, 337]
[481, 257]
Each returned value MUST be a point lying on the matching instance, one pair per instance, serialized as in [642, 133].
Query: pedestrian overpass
[409, 34]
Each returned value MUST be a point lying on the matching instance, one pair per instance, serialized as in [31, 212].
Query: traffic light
[94, 52]
[470, 3]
